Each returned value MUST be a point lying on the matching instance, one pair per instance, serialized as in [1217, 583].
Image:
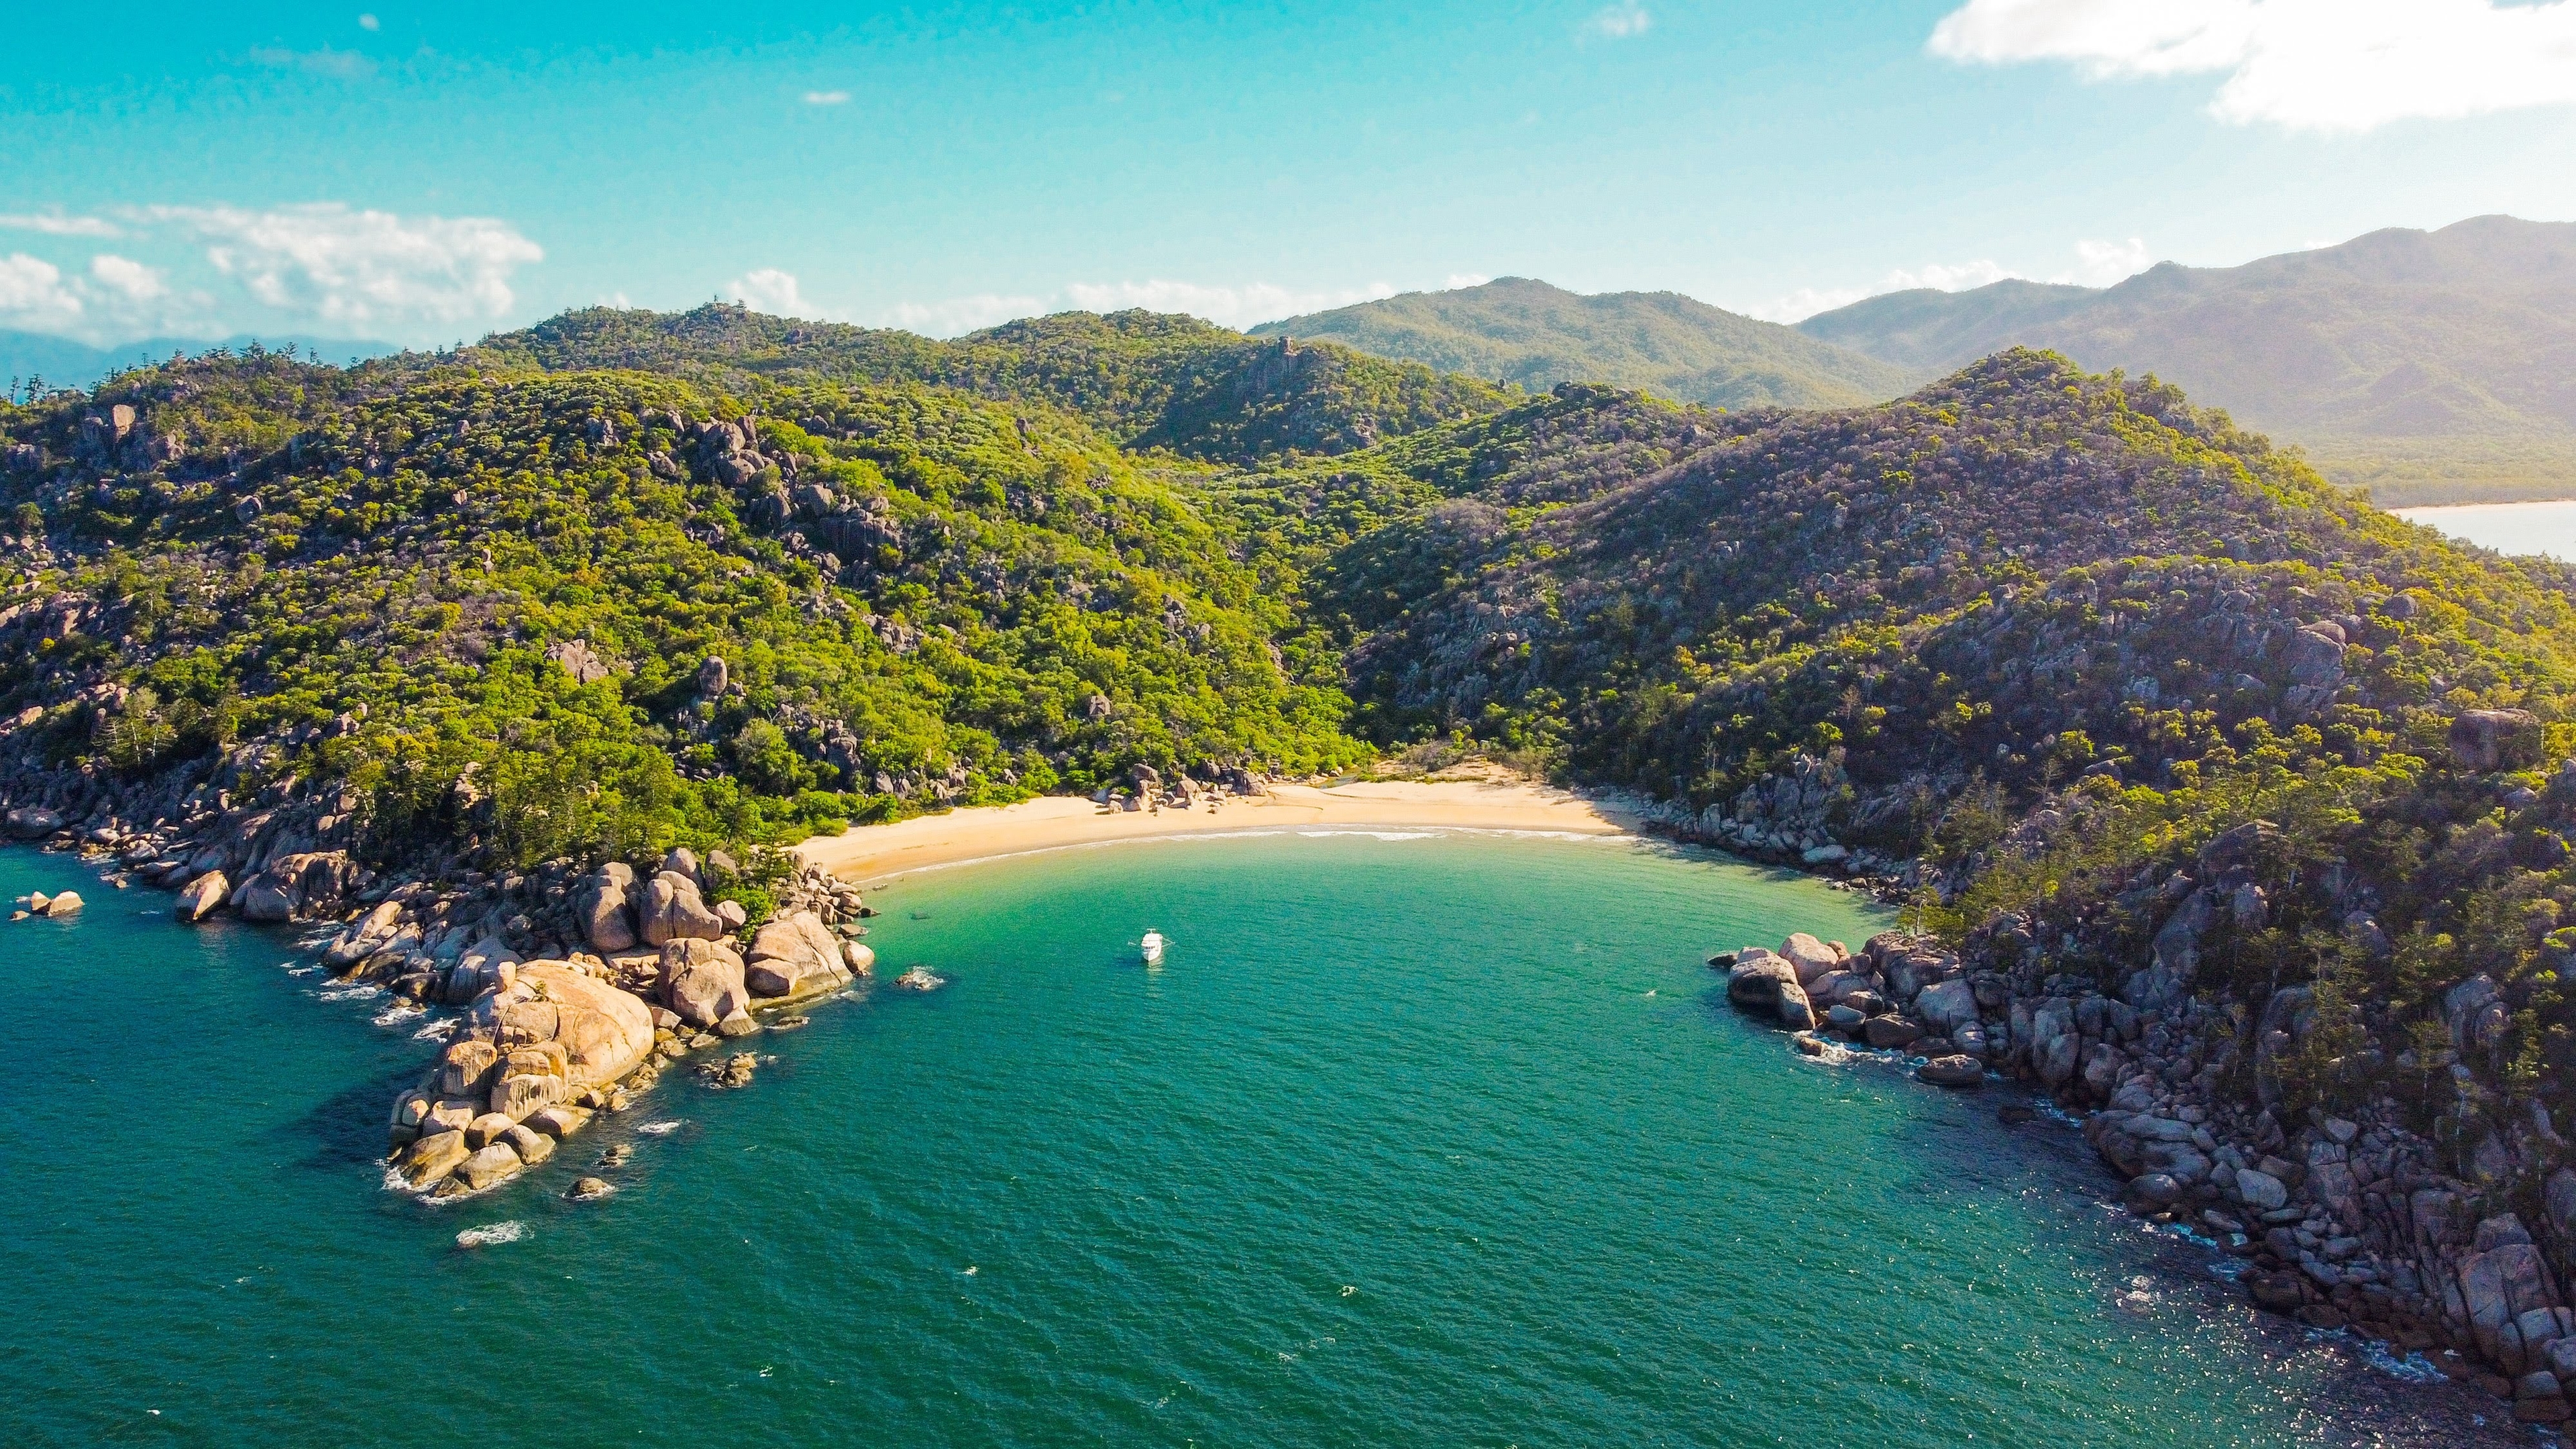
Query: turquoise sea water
[1441, 1140]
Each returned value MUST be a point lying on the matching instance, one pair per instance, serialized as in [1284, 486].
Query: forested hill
[2162, 734]
[2425, 365]
[1526, 332]
[1144, 380]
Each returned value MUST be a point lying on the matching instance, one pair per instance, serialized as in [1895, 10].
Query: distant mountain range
[2427, 366]
[1521, 331]
[62, 362]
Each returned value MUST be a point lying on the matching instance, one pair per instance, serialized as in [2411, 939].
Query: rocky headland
[574, 989]
[2343, 1220]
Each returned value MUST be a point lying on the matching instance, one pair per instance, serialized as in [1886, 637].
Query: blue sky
[423, 175]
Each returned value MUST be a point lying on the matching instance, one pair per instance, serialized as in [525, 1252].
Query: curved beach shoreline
[871, 853]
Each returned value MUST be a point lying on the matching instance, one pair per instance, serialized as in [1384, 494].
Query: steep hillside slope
[2427, 365]
[560, 613]
[1526, 332]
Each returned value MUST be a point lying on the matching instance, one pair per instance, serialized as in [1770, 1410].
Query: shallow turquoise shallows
[1417, 1140]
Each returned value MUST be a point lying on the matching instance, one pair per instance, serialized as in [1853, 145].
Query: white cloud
[54, 223]
[354, 268]
[337, 64]
[964, 314]
[1232, 306]
[2320, 65]
[1947, 278]
[772, 291]
[32, 293]
[369, 22]
[2101, 263]
[1618, 22]
[827, 98]
[129, 279]
[1458, 280]
[1806, 302]
[2097, 264]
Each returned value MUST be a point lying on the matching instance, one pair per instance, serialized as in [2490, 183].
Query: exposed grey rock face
[33, 822]
[2496, 739]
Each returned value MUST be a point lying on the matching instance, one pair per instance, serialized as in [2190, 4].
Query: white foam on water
[1373, 834]
[2414, 1367]
[398, 1013]
[349, 993]
[490, 1234]
[659, 1128]
[432, 1032]
[2055, 1113]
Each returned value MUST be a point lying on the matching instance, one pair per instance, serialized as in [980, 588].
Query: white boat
[1153, 948]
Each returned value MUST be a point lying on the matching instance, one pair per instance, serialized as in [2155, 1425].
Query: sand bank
[880, 852]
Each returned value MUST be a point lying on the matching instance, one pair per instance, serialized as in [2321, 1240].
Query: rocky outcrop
[702, 981]
[2497, 739]
[202, 897]
[33, 822]
[794, 957]
[295, 886]
[672, 910]
[607, 910]
[1766, 984]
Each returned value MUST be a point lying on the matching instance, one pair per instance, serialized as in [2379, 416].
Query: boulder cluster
[548, 1039]
[2341, 1221]
[1894, 995]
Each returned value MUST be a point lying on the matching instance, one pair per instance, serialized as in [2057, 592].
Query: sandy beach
[872, 853]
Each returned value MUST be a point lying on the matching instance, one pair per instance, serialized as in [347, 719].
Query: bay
[2545, 527]
[1414, 1138]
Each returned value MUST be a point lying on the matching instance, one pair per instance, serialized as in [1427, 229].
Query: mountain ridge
[1526, 332]
[2430, 365]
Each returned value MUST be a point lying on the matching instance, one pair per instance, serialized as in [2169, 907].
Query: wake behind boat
[1152, 948]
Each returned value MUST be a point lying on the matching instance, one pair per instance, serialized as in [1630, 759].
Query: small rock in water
[617, 1154]
[1952, 1071]
[790, 1023]
[733, 1072]
[586, 1188]
[920, 979]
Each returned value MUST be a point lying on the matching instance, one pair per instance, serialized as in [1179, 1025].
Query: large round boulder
[702, 981]
[794, 955]
[1764, 983]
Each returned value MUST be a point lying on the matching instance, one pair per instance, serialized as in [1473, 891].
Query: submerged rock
[1952, 1071]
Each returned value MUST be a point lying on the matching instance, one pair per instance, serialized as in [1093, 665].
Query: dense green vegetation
[2052, 632]
[479, 594]
[2426, 366]
[1531, 334]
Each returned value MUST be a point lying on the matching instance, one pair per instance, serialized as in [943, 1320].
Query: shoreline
[873, 854]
